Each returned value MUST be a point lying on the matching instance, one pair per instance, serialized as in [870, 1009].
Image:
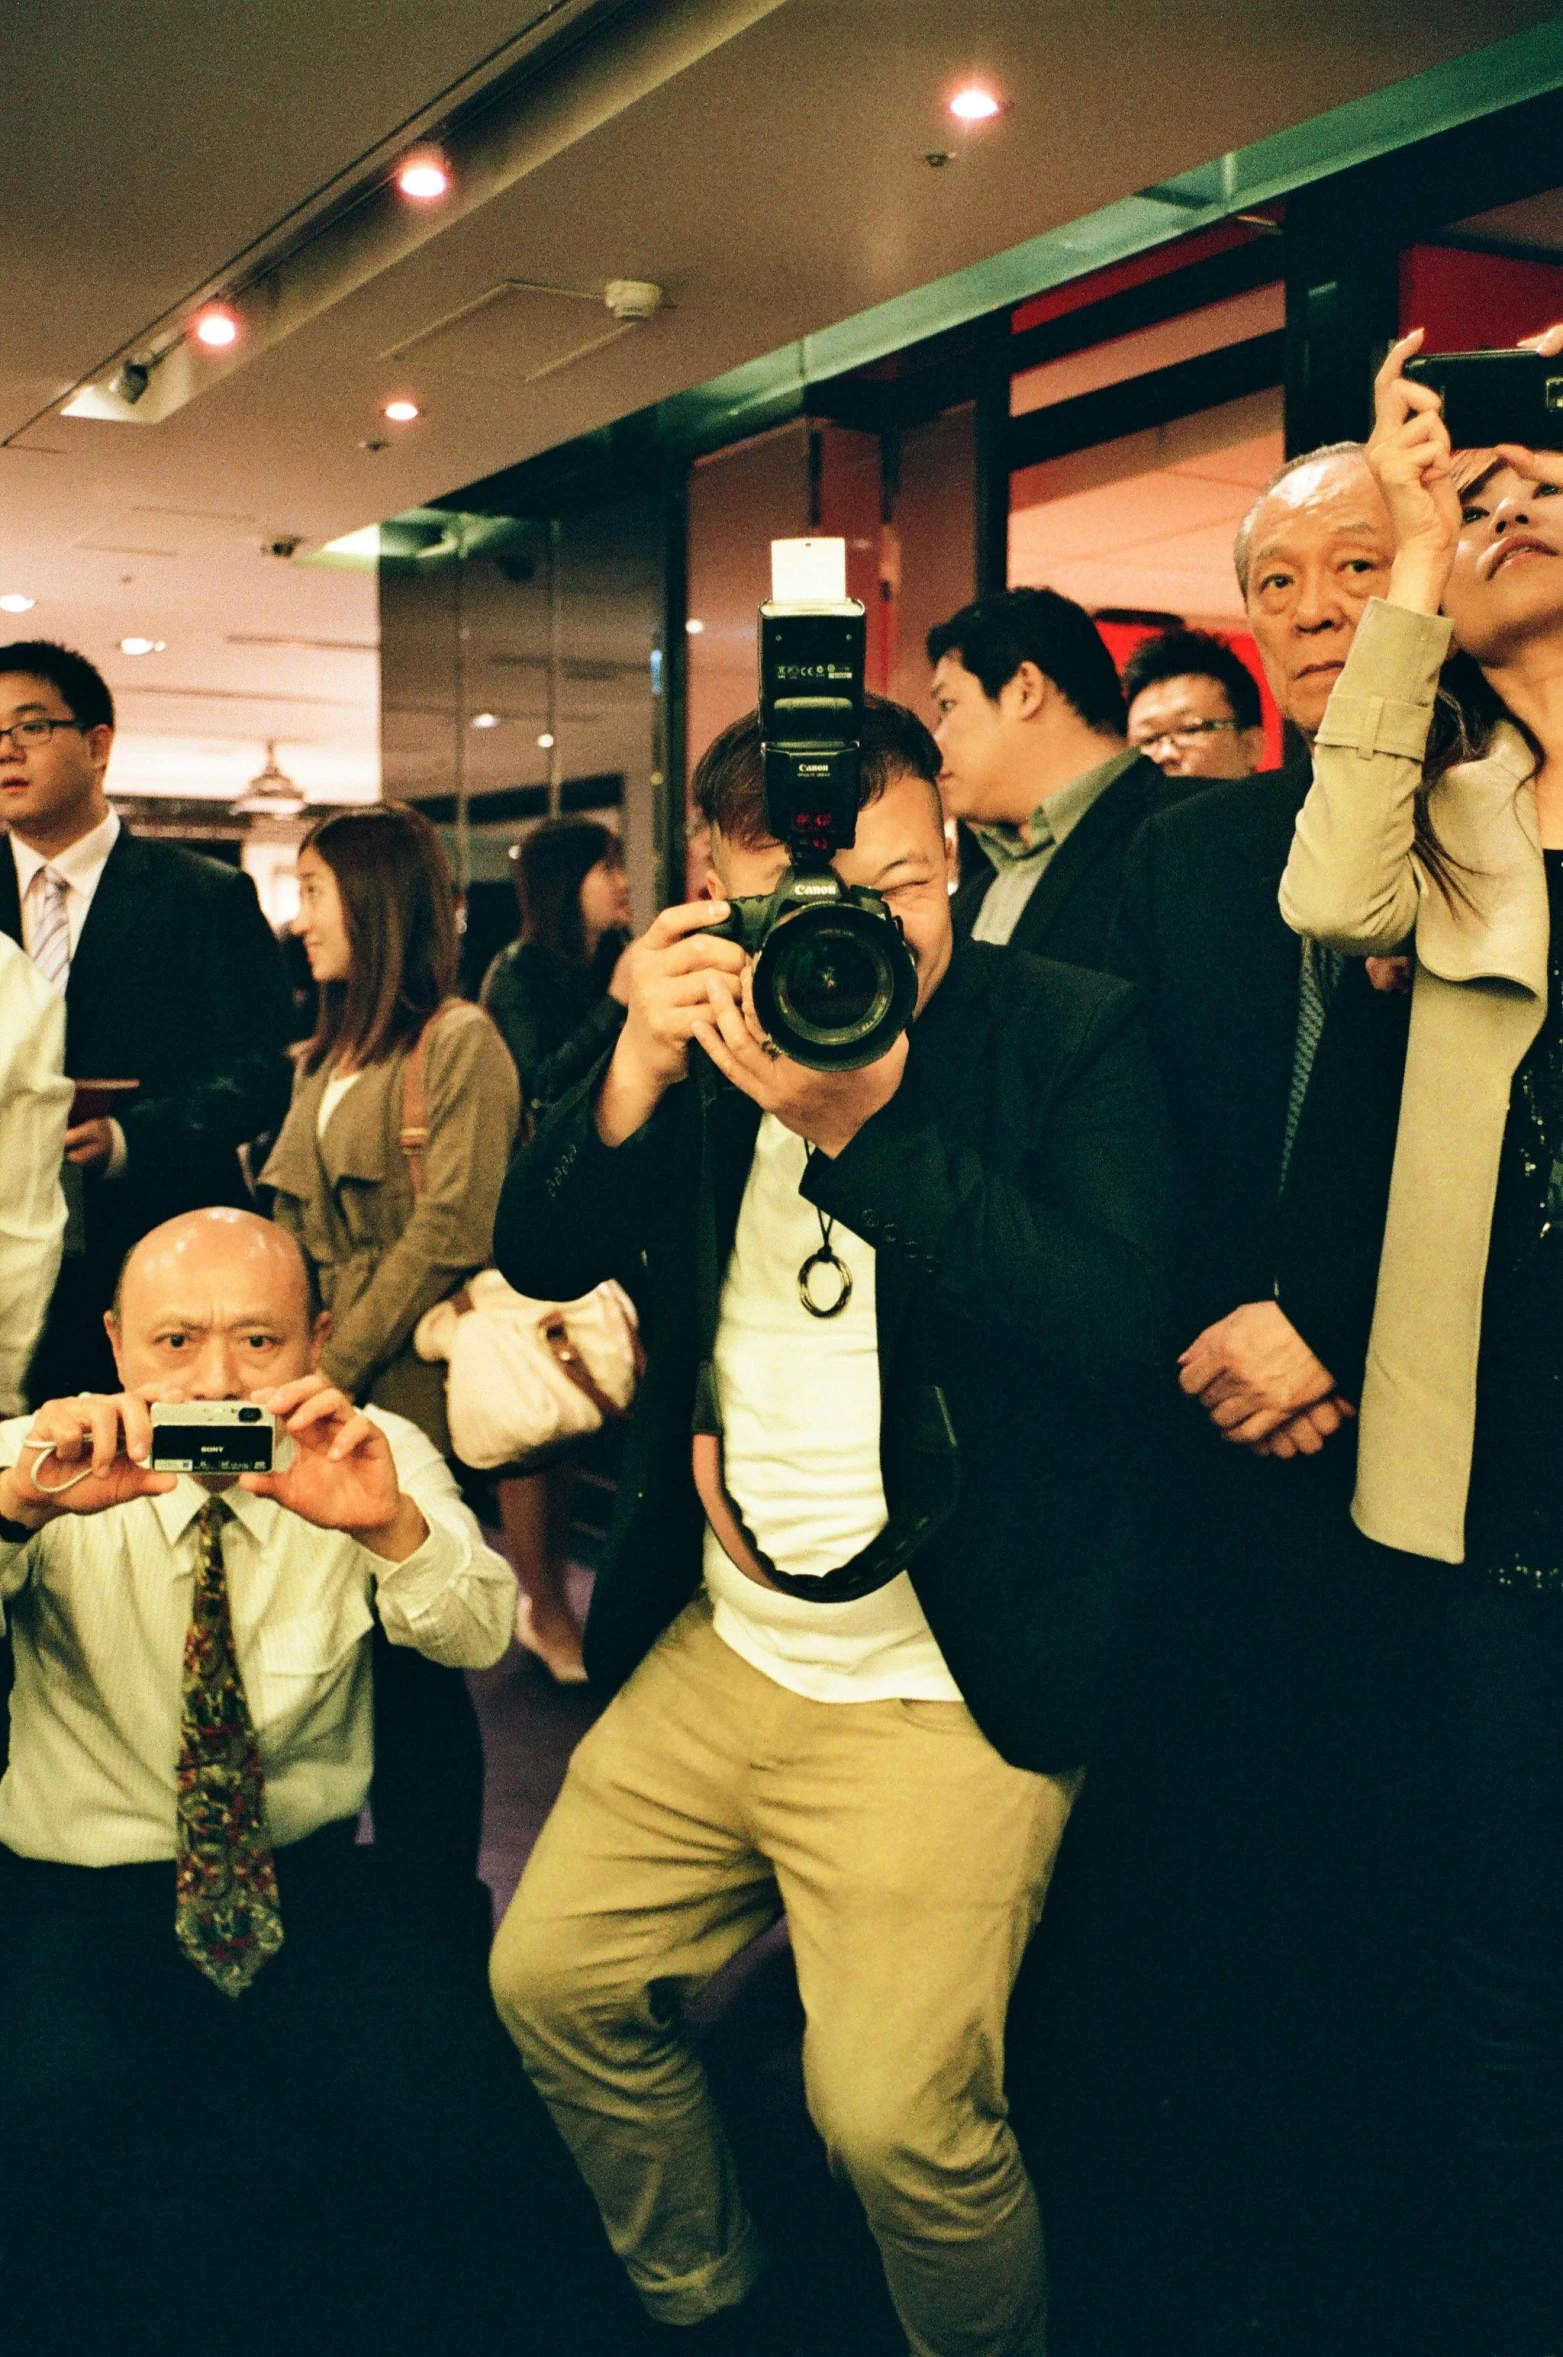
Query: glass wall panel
[522, 673]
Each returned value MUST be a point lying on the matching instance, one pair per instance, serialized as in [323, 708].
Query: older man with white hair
[1245, 1829]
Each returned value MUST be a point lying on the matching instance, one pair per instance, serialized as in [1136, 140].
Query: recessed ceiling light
[13, 602]
[694, 626]
[216, 329]
[545, 742]
[142, 646]
[401, 413]
[485, 720]
[974, 105]
[423, 177]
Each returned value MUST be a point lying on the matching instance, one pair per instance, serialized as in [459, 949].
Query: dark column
[992, 374]
[1341, 315]
[672, 751]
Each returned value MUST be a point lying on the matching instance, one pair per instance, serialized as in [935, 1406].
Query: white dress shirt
[35, 1098]
[800, 1418]
[98, 1606]
[81, 867]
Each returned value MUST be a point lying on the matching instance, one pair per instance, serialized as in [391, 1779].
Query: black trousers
[346, 2157]
[1216, 2063]
[1499, 2048]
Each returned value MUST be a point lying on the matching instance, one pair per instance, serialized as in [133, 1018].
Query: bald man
[1254, 1798]
[210, 2032]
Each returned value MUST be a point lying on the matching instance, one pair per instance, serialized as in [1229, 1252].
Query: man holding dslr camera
[860, 1625]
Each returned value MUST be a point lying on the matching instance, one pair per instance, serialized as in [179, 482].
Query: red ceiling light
[975, 105]
[423, 177]
[217, 328]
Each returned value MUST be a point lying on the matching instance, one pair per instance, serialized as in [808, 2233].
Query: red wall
[1476, 302]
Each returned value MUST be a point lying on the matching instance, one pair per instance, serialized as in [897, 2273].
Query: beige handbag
[522, 1375]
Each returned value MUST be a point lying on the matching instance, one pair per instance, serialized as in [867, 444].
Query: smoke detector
[632, 299]
[269, 794]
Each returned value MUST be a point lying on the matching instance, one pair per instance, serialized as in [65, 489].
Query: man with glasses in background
[171, 979]
[1194, 706]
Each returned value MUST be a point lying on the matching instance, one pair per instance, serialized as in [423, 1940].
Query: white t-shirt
[331, 1096]
[800, 1412]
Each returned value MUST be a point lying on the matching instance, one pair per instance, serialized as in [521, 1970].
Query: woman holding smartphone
[387, 1234]
[1435, 822]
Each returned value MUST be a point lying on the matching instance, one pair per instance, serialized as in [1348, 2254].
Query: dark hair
[1179, 653]
[729, 781]
[400, 914]
[996, 635]
[552, 863]
[80, 683]
[1467, 713]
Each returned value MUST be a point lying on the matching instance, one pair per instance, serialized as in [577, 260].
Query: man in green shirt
[1030, 728]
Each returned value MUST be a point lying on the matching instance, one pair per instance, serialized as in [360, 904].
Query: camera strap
[922, 1464]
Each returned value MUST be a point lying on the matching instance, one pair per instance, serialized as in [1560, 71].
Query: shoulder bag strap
[414, 1134]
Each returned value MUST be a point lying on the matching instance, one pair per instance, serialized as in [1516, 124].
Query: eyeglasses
[23, 733]
[1181, 739]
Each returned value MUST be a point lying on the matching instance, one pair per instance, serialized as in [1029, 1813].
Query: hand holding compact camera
[304, 1444]
[338, 1471]
[81, 1456]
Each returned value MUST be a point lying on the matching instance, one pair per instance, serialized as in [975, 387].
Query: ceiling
[774, 186]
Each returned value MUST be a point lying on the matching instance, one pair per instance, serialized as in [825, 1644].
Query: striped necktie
[1316, 985]
[51, 927]
[226, 1915]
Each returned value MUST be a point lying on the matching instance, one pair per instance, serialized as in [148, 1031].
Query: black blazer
[1015, 1190]
[1200, 932]
[176, 982]
[1070, 913]
[557, 1021]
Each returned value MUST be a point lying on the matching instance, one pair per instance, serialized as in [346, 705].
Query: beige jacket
[382, 1256]
[1478, 999]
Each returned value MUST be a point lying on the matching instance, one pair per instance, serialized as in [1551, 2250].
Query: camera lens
[830, 986]
[249, 1415]
[834, 985]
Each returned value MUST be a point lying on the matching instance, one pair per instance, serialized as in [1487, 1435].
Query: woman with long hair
[388, 1232]
[1435, 820]
[557, 991]
[557, 995]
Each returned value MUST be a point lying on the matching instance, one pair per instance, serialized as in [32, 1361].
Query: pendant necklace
[825, 1258]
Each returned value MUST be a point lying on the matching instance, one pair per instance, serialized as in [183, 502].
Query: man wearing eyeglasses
[171, 980]
[1194, 706]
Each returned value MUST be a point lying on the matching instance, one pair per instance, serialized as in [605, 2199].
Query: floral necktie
[226, 1915]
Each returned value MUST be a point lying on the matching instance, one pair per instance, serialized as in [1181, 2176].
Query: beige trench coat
[381, 1256]
[1478, 1000]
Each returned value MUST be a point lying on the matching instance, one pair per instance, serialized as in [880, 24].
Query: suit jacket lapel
[1110, 819]
[10, 904]
[100, 961]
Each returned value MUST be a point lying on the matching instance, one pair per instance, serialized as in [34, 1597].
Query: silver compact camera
[217, 1436]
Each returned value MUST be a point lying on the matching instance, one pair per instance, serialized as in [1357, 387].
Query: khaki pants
[912, 1864]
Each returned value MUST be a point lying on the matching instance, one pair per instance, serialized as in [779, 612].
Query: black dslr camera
[834, 982]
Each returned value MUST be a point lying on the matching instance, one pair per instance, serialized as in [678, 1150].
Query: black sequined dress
[1514, 1524]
